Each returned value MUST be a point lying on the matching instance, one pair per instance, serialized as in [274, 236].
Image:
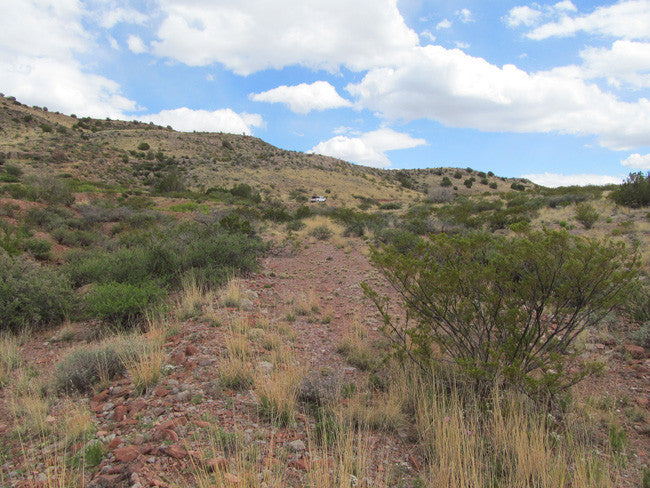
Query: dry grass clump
[277, 393]
[193, 299]
[9, 358]
[307, 303]
[380, 410]
[233, 293]
[145, 368]
[78, 423]
[235, 371]
[355, 348]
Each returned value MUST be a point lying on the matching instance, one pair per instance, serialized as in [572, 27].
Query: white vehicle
[317, 198]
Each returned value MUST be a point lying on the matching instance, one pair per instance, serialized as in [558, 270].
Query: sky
[556, 92]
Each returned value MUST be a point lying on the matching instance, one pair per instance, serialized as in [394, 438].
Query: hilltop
[112, 152]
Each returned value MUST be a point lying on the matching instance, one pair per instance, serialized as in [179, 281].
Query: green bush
[587, 215]
[634, 191]
[445, 181]
[121, 303]
[322, 232]
[468, 182]
[39, 248]
[143, 146]
[486, 301]
[31, 295]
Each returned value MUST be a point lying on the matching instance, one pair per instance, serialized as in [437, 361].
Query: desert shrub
[295, 225]
[169, 183]
[83, 368]
[634, 191]
[245, 191]
[322, 232]
[143, 146]
[457, 175]
[441, 195]
[31, 295]
[276, 211]
[303, 212]
[638, 305]
[390, 206]
[468, 182]
[12, 238]
[235, 223]
[39, 248]
[587, 215]
[402, 239]
[493, 185]
[52, 191]
[121, 303]
[446, 182]
[504, 307]
[517, 186]
[13, 170]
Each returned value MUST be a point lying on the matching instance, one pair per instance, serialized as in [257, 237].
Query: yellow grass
[193, 298]
[9, 358]
[233, 293]
[145, 367]
[277, 393]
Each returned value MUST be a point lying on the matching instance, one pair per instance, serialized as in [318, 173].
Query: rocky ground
[161, 437]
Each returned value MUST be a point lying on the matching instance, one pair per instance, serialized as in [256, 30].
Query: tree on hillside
[503, 308]
[634, 191]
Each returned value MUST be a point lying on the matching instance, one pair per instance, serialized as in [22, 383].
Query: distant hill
[135, 154]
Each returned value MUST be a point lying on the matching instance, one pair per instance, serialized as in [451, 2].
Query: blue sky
[558, 92]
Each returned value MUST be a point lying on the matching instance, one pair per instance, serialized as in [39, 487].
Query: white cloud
[38, 60]
[523, 15]
[566, 6]
[625, 62]
[136, 45]
[253, 35]
[554, 180]
[462, 45]
[304, 98]
[464, 91]
[428, 35]
[627, 19]
[637, 161]
[465, 15]
[368, 149]
[443, 24]
[223, 120]
[113, 43]
[113, 16]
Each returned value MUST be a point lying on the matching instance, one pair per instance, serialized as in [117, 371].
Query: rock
[637, 352]
[126, 454]
[178, 358]
[297, 445]
[119, 413]
[114, 444]
[231, 478]
[202, 424]
[246, 304]
[265, 366]
[108, 406]
[176, 451]
[183, 396]
[299, 464]
[216, 463]
[160, 391]
[191, 350]
[138, 439]
[165, 435]
[108, 480]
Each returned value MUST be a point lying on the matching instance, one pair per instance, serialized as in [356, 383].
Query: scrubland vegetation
[499, 290]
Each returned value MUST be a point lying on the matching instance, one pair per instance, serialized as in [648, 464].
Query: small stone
[176, 451]
[183, 396]
[138, 439]
[217, 463]
[120, 413]
[231, 478]
[191, 350]
[265, 366]
[297, 445]
[161, 391]
[637, 352]
[114, 444]
[108, 406]
[178, 358]
[246, 304]
[202, 424]
[126, 454]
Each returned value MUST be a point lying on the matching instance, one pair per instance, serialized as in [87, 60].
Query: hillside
[107, 151]
[174, 312]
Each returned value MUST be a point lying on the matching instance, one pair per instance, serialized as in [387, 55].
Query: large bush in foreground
[31, 295]
[503, 308]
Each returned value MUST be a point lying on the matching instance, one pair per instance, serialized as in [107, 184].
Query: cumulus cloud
[428, 35]
[304, 98]
[626, 62]
[523, 15]
[464, 91]
[637, 161]
[113, 16]
[38, 60]
[554, 180]
[253, 35]
[628, 19]
[223, 120]
[136, 45]
[465, 15]
[368, 149]
[443, 24]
